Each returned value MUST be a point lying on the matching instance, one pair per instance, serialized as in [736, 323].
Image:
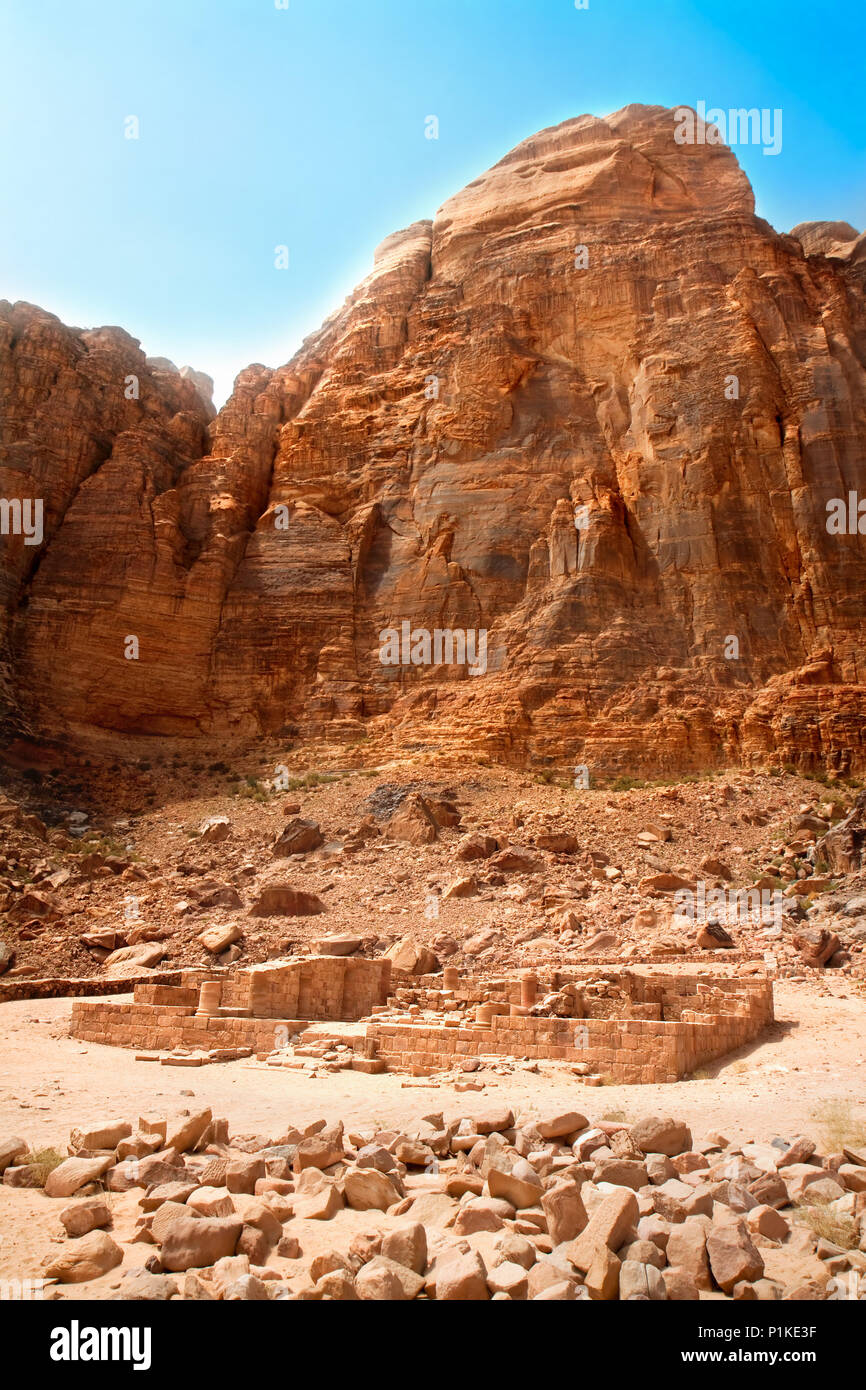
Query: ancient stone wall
[666, 1026]
[250, 1008]
[726, 1014]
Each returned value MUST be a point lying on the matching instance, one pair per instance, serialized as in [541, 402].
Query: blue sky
[304, 127]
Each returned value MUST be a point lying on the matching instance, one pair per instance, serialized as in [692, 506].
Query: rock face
[498, 433]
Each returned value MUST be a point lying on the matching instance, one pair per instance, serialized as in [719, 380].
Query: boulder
[687, 1249]
[73, 1173]
[661, 1135]
[558, 1126]
[557, 842]
[215, 829]
[461, 888]
[131, 960]
[386, 1280]
[320, 1204]
[843, 848]
[10, 1149]
[184, 1133]
[509, 1278]
[336, 945]
[656, 884]
[88, 1258]
[103, 1136]
[298, 837]
[732, 1255]
[87, 1214]
[481, 1214]
[412, 958]
[478, 846]
[193, 1242]
[366, 1189]
[219, 937]
[565, 1212]
[521, 1185]
[644, 1281]
[406, 1245]
[414, 821]
[622, 1172]
[603, 1275]
[139, 1286]
[460, 1278]
[243, 1171]
[279, 900]
[515, 860]
[211, 1201]
[320, 1150]
[609, 1225]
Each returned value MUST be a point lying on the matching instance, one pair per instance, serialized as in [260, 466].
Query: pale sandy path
[50, 1082]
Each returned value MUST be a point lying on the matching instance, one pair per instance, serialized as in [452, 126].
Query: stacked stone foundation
[675, 1024]
[259, 1008]
[665, 1026]
[628, 1051]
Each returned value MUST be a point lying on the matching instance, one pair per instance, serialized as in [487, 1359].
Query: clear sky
[262, 126]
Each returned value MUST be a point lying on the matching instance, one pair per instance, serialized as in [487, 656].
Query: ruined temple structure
[635, 1025]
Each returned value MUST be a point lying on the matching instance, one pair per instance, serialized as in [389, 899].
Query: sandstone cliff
[613, 460]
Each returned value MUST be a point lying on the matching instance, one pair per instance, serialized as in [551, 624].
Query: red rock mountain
[497, 431]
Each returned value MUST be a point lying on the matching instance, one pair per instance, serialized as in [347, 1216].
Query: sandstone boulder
[661, 1135]
[87, 1214]
[73, 1173]
[298, 837]
[193, 1242]
[280, 900]
[88, 1258]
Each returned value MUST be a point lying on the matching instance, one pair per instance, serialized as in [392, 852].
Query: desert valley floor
[322, 1170]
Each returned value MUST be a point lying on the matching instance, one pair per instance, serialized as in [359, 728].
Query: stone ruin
[631, 1025]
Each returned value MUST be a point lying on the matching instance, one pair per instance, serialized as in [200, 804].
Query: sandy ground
[51, 1082]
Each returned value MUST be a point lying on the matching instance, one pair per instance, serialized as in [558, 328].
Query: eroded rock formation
[612, 460]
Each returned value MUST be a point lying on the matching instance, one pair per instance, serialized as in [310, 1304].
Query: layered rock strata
[595, 411]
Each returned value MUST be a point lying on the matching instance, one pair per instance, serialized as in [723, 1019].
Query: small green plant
[627, 784]
[252, 790]
[106, 845]
[313, 779]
